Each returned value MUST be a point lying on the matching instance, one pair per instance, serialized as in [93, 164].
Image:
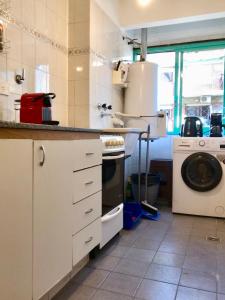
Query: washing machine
[199, 176]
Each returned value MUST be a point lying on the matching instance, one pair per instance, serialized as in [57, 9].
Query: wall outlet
[4, 88]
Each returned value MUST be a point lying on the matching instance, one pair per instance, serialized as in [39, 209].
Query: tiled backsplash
[39, 42]
[38, 34]
[90, 63]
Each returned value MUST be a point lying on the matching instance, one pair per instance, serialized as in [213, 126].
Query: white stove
[112, 186]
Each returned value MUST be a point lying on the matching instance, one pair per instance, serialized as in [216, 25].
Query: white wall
[132, 15]
[37, 35]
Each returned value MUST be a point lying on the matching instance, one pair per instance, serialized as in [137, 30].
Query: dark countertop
[13, 125]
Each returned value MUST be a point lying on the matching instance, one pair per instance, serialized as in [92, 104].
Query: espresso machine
[216, 126]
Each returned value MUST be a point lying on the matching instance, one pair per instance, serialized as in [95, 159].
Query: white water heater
[141, 98]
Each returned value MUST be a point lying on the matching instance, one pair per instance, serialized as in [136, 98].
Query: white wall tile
[28, 12]
[79, 11]
[46, 68]
[79, 67]
[40, 16]
[14, 36]
[3, 69]
[16, 9]
[28, 50]
[41, 56]
[81, 91]
[79, 35]
[82, 116]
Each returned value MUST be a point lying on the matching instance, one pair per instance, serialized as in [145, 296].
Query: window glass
[203, 86]
[166, 64]
[191, 82]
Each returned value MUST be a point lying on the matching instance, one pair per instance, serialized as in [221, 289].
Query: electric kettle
[192, 127]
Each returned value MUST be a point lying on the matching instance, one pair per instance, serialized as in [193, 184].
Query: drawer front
[86, 240]
[86, 211]
[86, 183]
[87, 153]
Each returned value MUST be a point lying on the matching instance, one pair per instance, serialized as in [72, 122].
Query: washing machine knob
[202, 143]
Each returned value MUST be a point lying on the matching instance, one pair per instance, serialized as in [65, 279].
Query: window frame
[179, 50]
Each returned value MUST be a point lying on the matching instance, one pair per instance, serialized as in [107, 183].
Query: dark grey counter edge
[13, 125]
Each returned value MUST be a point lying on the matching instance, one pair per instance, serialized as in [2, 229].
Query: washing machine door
[201, 172]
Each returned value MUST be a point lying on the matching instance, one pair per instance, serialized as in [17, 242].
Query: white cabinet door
[16, 219]
[52, 213]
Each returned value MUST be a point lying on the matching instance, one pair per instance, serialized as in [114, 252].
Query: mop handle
[147, 159]
[139, 169]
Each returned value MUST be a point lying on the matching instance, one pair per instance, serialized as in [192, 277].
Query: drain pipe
[144, 38]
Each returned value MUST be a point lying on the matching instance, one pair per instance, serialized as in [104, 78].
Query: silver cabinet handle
[43, 159]
[89, 240]
[89, 211]
[89, 153]
[89, 182]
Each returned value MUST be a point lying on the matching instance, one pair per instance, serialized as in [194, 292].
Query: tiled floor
[164, 260]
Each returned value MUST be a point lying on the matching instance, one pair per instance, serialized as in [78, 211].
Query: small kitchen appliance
[216, 127]
[192, 127]
[36, 108]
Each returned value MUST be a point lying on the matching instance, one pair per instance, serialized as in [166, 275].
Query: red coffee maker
[36, 108]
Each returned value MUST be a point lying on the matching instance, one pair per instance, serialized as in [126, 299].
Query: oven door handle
[113, 157]
[116, 211]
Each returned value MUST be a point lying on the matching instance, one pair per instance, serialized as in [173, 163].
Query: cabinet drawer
[86, 211]
[87, 153]
[86, 183]
[86, 240]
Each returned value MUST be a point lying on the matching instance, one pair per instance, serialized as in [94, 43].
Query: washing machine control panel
[201, 143]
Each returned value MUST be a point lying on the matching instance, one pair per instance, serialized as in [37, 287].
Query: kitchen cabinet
[48, 221]
[86, 182]
[87, 198]
[52, 214]
[16, 219]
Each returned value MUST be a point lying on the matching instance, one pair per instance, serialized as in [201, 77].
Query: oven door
[112, 181]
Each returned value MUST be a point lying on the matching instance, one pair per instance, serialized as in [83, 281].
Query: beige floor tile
[140, 254]
[163, 273]
[155, 290]
[116, 250]
[75, 292]
[193, 294]
[132, 267]
[202, 263]
[105, 295]
[169, 259]
[104, 262]
[173, 247]
[148, 244]
[198, 280]
[121, 283]
[90, 277]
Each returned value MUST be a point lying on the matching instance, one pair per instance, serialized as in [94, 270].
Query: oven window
[112, 184]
